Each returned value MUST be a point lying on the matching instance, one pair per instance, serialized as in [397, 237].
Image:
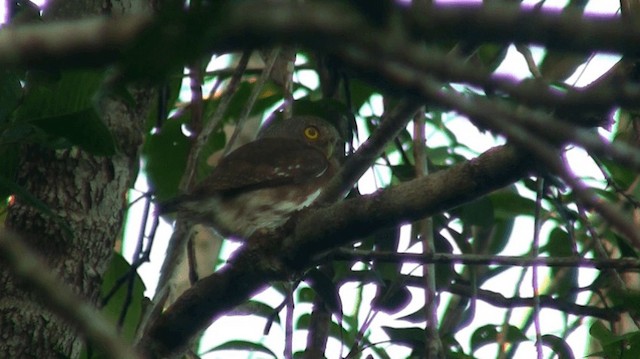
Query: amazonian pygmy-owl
[260, 184]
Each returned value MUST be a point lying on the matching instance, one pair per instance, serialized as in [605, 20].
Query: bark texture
[85, 192]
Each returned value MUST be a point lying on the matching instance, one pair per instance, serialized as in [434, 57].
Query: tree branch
[546, 301]
[318, 25]
[499, 300]
[275, 256]
[340, 31]
[625, 264]
[499, 117]
[88, 42]
[357, 164]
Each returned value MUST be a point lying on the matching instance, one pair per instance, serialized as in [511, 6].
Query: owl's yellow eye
[311, 133]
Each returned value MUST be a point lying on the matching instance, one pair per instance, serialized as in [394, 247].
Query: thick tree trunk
[89, 194]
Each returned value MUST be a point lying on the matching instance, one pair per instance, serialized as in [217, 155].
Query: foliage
[376, 306]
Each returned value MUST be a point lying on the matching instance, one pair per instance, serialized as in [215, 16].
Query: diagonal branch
[546, 301]
[240, 25]
[501, 301]
[621, 264]
[358, 163]
[273, 256]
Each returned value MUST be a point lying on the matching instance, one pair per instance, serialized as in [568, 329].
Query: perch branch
[275, 255]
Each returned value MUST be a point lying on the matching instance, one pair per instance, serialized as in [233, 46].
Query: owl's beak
[330, 147]
[329, 151]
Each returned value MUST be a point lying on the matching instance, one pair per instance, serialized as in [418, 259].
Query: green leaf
[325, 289]
[478, 212]
[72, 92]
[623, 176]
[412, 337]
[627, 299]
[84, 129]
[268, 97]
[440, 156]
[64, 108]
[602, 333]
[557, 66]
[169, 92]
[305, 294]
[392, 297]
[492, 272]
[165, 155]
[253, 307]
[508, 204]
[8, 167]
[558, 345]
[453, 349]
[631, 347]
[492, 232]
[335, 330]
[22, 12]
[492, 240]
[560, 245]
[18, 132]
[489, 334]
[392, 294]
[625, 346]
[403, 172]
[626, 249]
[126, 291]
[361, 92]
[10, 94]
[490, 56]
[416, 317]
[215, 143]
[242, 345]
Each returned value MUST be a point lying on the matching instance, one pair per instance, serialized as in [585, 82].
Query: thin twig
[288, 344]
[499, 300]
[243, 24]
[433, 345]
[324, 228]
[627, 264]
[131, 274]
[393, 122]
[177, 242]
[213, 123]
[528, 57]
[537, 225]
[497, 118]
[413, 75]
[141, 254]
[248, 106]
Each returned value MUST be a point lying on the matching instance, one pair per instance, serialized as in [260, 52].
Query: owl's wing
[265, 162]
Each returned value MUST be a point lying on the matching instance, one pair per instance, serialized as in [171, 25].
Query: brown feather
[261, 183]
[265, 162]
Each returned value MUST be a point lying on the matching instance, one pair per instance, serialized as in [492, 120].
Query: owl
[260, 184]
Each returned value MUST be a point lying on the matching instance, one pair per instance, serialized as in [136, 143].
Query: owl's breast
[239, 215]
[238, 205]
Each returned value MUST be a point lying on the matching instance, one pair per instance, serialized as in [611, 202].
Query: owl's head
[313, 130]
